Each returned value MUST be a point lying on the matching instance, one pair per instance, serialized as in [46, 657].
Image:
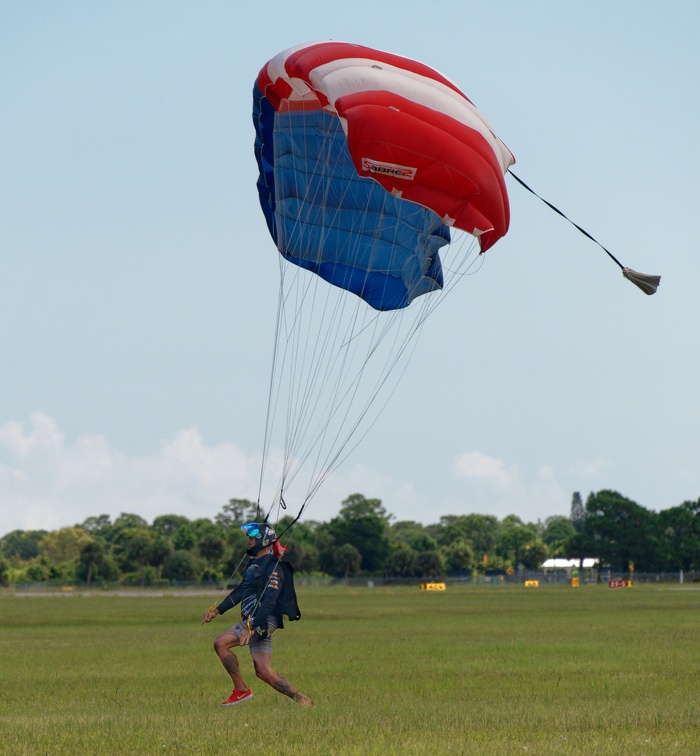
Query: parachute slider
[646, 282]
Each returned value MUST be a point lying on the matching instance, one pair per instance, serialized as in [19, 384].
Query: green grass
[483, 670]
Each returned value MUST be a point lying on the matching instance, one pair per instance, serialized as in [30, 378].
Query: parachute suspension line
[269, 418]
[309, 358]
[318, 363]
[269, 413]
[647, 283]
[462, 261]
[321, 384]
[323, 364]
[280, 351]
[281, 505]
[344, 452]
[344, 395]
[397, 351]
[426, 306]
[286, 348]
[379, 327]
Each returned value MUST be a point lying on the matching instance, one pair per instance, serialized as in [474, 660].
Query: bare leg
[223, 645]
[263, 669]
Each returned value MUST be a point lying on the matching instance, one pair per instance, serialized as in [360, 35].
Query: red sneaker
[237, 696]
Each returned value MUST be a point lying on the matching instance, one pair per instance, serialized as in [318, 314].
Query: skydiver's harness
[287, 599]
[272, 574]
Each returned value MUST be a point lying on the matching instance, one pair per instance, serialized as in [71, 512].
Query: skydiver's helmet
[263, 533]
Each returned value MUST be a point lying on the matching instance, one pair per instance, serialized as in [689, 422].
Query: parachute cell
[366, 160]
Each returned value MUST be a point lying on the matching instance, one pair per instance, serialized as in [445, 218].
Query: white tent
[568, 564]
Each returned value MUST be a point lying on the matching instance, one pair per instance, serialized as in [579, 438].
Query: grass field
[480, 670]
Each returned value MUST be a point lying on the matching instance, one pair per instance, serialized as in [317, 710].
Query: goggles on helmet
[251, 529]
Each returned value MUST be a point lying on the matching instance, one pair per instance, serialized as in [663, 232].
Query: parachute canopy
[366, 160]
[378, 176]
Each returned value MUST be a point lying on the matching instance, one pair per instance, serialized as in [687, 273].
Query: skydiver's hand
[244, 637]
[260, 633]
[209, 616]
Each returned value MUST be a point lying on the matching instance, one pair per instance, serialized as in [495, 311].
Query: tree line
[363, 539]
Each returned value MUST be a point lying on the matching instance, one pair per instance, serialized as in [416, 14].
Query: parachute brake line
[282, 505]
[647, 283]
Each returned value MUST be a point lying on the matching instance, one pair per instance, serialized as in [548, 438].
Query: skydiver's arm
[231, 600]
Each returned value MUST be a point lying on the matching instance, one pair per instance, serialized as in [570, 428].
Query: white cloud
[399, 498]
[44, 435]
[489, 485]
[593, 470]
[476, 465]
[47, 481]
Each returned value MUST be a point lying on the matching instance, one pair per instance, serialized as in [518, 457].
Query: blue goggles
[251, 529]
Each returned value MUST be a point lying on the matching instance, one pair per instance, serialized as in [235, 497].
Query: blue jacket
[267, 588]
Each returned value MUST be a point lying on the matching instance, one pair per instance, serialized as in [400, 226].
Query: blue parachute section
[343, 227]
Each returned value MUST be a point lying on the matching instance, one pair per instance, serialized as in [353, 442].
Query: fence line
[548, 577]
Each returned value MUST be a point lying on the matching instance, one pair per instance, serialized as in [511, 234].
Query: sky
[139, 282]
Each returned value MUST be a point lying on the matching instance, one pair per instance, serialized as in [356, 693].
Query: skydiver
[259, 595]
